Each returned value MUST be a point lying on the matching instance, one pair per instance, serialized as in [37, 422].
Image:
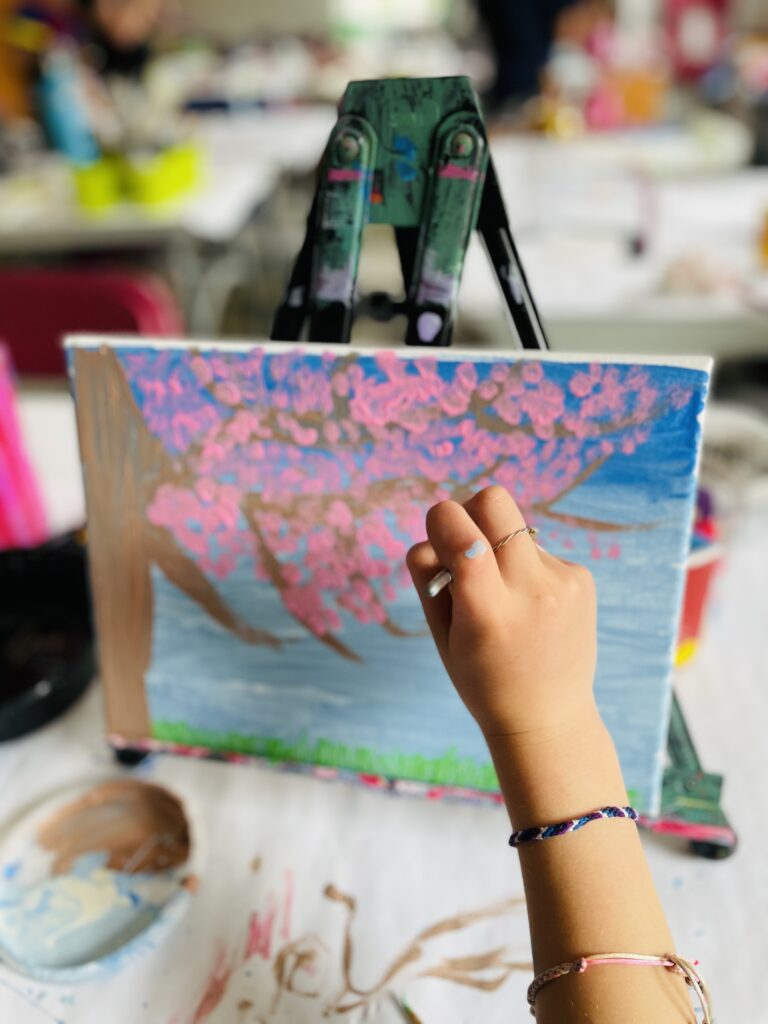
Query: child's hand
[517, 629]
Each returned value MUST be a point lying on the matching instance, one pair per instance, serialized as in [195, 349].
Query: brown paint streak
[116, 449]
[140, 827]
[582, 523]
[484, 984]
[185, 574]
[123, 466]
[496, 425]
[295, 960]
[459, 970]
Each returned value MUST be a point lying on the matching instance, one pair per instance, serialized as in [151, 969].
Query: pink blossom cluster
[317, 469]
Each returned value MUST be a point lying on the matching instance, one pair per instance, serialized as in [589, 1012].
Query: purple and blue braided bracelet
[530, 835]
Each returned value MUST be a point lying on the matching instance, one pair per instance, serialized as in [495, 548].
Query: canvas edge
[113, 341]
[323, 773]
[685, 559]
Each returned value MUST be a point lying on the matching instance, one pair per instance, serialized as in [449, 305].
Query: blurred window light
[364, 16]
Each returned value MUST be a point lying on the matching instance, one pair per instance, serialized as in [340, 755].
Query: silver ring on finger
[530, 530]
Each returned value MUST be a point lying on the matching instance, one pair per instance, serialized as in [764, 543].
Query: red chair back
[39, 307]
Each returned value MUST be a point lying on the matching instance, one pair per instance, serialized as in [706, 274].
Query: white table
[195, 238]
[244, 155]
[573, 210]
[408, 862]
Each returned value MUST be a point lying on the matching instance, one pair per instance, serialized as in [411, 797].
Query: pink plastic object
[22, 517]
[39, 307]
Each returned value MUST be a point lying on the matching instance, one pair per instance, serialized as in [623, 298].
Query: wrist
[559, 771]
[576, 723]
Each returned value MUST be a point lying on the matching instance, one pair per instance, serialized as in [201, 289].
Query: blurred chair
[39, 307]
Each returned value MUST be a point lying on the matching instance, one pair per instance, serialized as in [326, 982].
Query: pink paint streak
[456, 171]
[216, 986]
[260, 929]
[285, 931]
[689, 830]
[345, 174]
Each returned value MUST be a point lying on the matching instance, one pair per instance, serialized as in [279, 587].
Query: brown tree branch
[583, 523]
[545, 508]
[186, 575]
[275, 572]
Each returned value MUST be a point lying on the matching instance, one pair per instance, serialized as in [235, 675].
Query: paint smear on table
[324, 966]
[83, 876]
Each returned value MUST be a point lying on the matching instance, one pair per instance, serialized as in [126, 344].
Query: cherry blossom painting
[250, 507]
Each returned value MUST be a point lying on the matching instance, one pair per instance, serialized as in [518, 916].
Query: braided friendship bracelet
[676, 964]
[529, 835]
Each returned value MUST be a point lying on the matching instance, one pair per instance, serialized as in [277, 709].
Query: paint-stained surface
[137, 828]
[82, 876]
[328, 975]
[254, 583]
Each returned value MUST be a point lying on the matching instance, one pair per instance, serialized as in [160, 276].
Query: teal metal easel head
[412, 153]
[411, 117]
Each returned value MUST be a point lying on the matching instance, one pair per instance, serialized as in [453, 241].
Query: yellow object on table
[97, 185]
[149, 180]
[160, 177]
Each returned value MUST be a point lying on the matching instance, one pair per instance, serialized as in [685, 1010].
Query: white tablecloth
[269, 844]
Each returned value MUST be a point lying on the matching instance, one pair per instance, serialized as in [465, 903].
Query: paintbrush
[407, 1013]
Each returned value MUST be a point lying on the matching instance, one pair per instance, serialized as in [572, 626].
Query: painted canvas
[250, 507]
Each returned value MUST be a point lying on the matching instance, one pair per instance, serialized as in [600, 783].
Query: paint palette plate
[88, 872]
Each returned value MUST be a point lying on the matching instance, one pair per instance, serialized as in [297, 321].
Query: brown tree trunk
[123, 466]
[114, 451]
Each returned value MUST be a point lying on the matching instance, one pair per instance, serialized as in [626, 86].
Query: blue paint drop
[406, 167]
[405, 172]
[476, 550]
[405, 146]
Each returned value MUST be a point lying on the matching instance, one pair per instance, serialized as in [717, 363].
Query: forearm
[517, 633]
[589, 891]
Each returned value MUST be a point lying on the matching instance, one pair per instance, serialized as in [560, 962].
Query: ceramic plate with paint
[89, 873]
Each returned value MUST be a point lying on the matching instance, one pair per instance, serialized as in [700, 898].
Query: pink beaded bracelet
[687, 968]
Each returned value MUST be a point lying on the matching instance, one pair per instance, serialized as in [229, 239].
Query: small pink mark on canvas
[260, 929]
[456, 171]
[216, 986]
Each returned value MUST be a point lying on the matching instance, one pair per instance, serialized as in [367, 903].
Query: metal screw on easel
[347, 148]
[462, 144]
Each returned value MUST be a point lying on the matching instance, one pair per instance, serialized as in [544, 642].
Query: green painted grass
[448, 770]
